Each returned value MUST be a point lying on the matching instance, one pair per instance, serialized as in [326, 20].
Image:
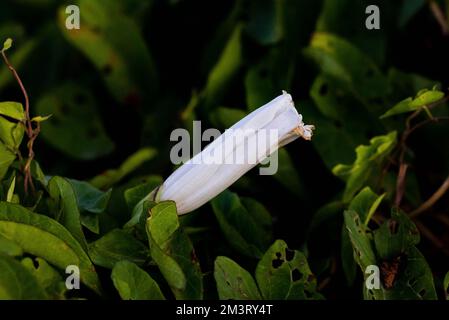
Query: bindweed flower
[232, 154]
[223, 161]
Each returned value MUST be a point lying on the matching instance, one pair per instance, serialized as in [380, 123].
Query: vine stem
[32, 134]
[432, 200]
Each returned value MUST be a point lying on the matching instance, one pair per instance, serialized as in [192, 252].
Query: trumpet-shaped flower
[231, 155]
[223, 161]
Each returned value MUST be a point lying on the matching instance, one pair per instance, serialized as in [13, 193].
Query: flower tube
[229, 156]
[206, 175]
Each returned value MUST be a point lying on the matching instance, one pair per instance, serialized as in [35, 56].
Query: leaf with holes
[367, 165]
[115, 246]
[43, 237]
[234, 282]
[133, 283]
[17, 282]
[365, 203]
[9, 247]
[285, 274]
[75, 127]
[395, 236]
[49, 279]
[360, 239]
[408, 277]
[173, 252]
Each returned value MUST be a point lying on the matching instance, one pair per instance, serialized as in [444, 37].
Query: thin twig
[32, 134]
[432, 200]
[431, 237]
[24, 92]
[439, 16]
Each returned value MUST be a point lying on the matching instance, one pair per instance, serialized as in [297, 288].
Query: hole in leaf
[289, 254]
[422, 293]
[276, 263]
[338, 124]
[35, 263]
[107, 69]
[296, 275]
[263, 73]
[323, 89]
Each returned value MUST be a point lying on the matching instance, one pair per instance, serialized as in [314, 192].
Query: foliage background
[138, 69]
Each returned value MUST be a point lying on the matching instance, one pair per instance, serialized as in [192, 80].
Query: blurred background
[138, 69]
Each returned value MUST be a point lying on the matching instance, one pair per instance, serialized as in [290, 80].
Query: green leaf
[12, 110]
[414, 280]
[115, 246]
[137, 197]
[91, 203]
[10, 194]
[6, 159]
[340, 61]
[9, 248]
[90, 198]
[395, 236]
[265, 21]
[423, 98]
[365, 203]
[284, 274]
[234, 282]
[367, 164]
[409, 9]
[41, 118]
[44, 237]
[446, 285]
[245, 232]
[173, 252]
[133, 283]
[115, 46]
[17, 283]
[64, 205]
[112, 176]
[225, 70]
[11, 128]
[49, 279]
[75, 127]
[7, 44]
[360, 239]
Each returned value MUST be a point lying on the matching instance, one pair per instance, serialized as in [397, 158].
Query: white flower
[198, 181]
[220, 164]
